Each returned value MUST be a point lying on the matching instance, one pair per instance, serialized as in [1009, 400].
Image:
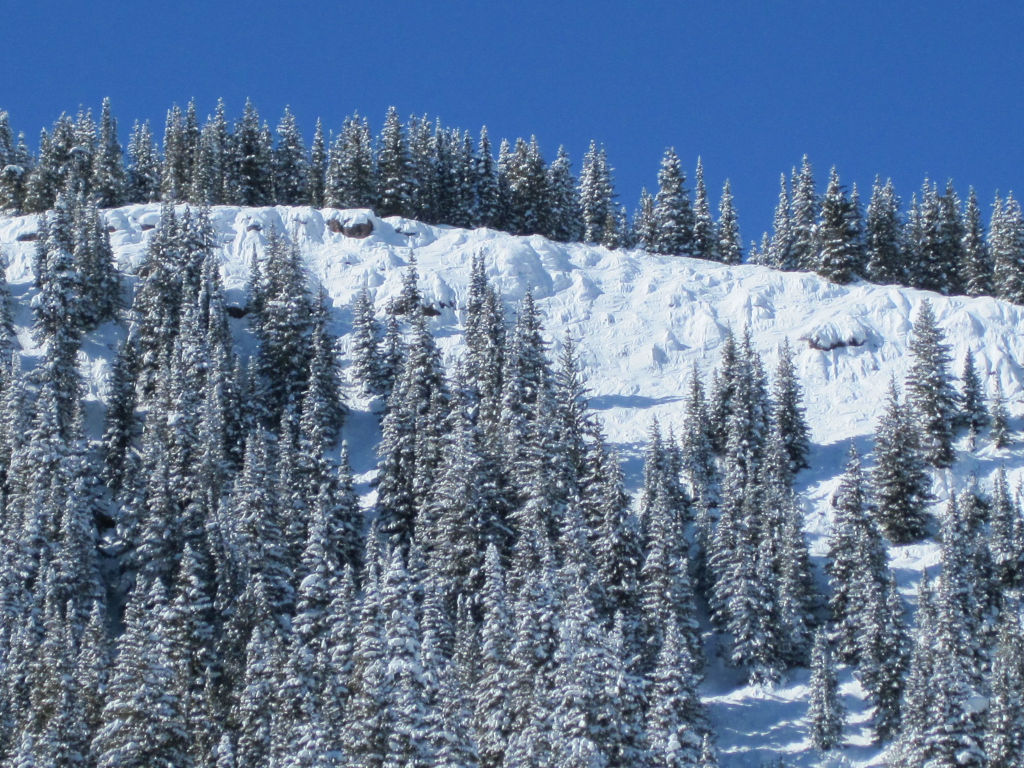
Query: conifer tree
[143, 182]
[803, 217]
[107, 180]
[366, 345]
[251, 175]
[977, 266]
[143, 723]
[1006, 245]
[395, 185]
[899, 481]
[350, 173]
[676, 721]
[317, 168]
[929, 391]
[176, 169]
[788, 410]
[1004, 723]
[1005, 535]
[883, 237]
[564, 213]
[486, 176]
[596, 194]
[882, 658]
[857, 562]
[1000, 430]
[15, 166]
[825, 713]
[211, 171]
[704, 239]
[839, 257]
[728, 246]
[492, 715]
[289, 162]
[283, 325]
[673, 215]
[974, 413]
[644, 230]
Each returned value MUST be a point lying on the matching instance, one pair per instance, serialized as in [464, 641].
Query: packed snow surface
[642, 324]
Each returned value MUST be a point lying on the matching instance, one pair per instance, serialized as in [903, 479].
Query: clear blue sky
[900, 88]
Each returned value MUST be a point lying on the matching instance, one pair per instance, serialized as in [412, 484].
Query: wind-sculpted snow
[642, 323]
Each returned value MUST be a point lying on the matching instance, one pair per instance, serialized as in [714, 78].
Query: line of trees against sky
[423, 170]
[201, 587]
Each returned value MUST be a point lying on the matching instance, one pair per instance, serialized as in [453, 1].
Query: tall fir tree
[930, 393]
[825, 713]
[729, 248]
[900, 484]
[673, 214]
[977, 269]
[885, 261]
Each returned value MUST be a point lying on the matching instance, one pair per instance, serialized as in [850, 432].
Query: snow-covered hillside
[642, 323]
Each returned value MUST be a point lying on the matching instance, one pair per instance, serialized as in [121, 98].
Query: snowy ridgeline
[642, 323]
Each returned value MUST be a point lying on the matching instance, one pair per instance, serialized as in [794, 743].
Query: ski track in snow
[642, 323]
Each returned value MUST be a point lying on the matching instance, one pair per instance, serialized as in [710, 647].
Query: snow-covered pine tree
[977, 265]
[107, 174]
[1006, 246]
[950, 237]
[728, 245]
[211, 170]
[395, 184]
[596, 194]
[350, 176]
[177, 163]
[803, 218]
[950, 734]
[487, 191]
[901, 487]
[15, 165]
[1004, 719]
[289, 162]
[705, 242]
[1005, 535]
[143, 166]
[882, 658]
[584, 717]
[676, 723]
[1000, 430]
[252, 160]
[788, 410]
[283, 325]
[644, 230]
[143, 723]
[840, 253]
[564, 213]
[930, 393]
[492, 708]
[317, 168]
[857, 562]
[673, 214]
[825, 713]
[930, 264]
[777, 250]
[974, 412]
[885, 260]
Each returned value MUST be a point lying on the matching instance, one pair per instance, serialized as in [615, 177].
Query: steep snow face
[642, 323]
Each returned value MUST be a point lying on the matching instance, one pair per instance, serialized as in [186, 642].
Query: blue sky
[898, 88]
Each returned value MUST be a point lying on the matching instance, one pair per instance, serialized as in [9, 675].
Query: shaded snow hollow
[642, 323]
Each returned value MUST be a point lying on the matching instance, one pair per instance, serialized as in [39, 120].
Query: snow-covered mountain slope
[642, 323]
